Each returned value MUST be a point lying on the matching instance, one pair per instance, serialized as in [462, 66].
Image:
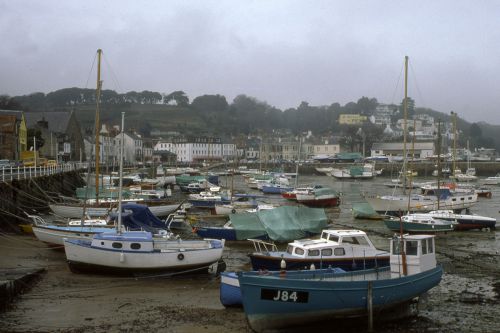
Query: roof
[399, 146]
[57, 121]
[17, 113]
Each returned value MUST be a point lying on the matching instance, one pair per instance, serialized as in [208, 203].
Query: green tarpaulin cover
[282, 224]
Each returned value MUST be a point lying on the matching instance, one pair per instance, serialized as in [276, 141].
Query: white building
[132, 147]
[198, 149]
[395, 149]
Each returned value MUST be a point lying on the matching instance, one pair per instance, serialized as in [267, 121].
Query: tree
[179, 97]
[410, 107]
[210, 104]
[367, 105]
[8, 103]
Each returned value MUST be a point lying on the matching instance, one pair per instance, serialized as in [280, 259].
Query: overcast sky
[281, 52]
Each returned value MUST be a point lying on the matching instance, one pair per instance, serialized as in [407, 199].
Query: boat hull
[267, 303]
[82, 257]
[320, 202]
[54, 236]
[273, 263]
[76, 211]
[411, 227]
[394, 205]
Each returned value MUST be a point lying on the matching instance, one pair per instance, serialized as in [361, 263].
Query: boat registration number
[279, 295]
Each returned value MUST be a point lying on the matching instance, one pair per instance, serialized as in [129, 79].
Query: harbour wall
[27, 196]
[424, 169]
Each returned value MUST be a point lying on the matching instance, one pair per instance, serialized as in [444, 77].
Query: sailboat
[133, 252]
[102, 208]
[430, 198]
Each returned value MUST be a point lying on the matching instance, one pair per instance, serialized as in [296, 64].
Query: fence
[11, 173]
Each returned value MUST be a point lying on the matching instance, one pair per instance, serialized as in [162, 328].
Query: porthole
[135, 246]
[117, 245]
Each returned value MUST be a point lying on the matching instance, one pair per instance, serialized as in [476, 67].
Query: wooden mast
[405, 124]
[120, 195]
[439, 164]
[97, 124]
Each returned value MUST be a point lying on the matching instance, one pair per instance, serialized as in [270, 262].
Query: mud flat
[467, 299]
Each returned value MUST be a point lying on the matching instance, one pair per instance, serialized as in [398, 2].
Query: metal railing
[22, 172]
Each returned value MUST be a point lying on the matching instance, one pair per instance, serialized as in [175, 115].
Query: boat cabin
[136, 241]
[416, 252]
[334, 243]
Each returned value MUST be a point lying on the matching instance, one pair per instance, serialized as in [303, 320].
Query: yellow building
[352, 119]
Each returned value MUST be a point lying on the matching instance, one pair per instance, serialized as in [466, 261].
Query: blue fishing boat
[302, 297]
[276, 188]
[208, 199]
[230, 292]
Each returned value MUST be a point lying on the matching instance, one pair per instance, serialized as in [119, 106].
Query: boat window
[395, 246]
[411, 248]
[117, 245]
[339, 251]
[289, 249]
[313, 253]
[135, 246]
[454, 199]
[102, 243]
[430, 245]
[326, 252]
[424, 246]
[299, 251]
[334, 238]
[350, 240]
[462, 199]
[361, 241]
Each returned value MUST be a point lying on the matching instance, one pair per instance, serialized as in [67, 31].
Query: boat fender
[180, 256]
[233, 210]
[122, 257]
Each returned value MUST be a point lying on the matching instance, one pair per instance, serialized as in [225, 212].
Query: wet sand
[467, 300]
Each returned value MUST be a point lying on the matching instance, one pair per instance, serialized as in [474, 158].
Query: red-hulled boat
[321, 197]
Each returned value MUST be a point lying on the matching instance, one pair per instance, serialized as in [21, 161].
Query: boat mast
[454, 120]
[97, 124]
[119, 226]
[439, 163]
[297, 164]
[405, 124]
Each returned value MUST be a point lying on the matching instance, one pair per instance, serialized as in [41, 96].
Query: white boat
[53, 234]
[492, 180]
[138, 252]
[105, 207]
[324, 170]
[464, 221]
[345, 249]
[418, 223]
[133, 252]
[425, 202]
[366, 171]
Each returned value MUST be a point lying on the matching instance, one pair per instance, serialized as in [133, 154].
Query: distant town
[375, 132]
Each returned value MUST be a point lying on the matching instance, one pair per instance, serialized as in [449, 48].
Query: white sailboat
[431, 198]
[132, 252]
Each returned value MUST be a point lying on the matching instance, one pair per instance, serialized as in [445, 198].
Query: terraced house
[13, 134]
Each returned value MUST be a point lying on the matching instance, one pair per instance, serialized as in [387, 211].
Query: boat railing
[262, 246]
